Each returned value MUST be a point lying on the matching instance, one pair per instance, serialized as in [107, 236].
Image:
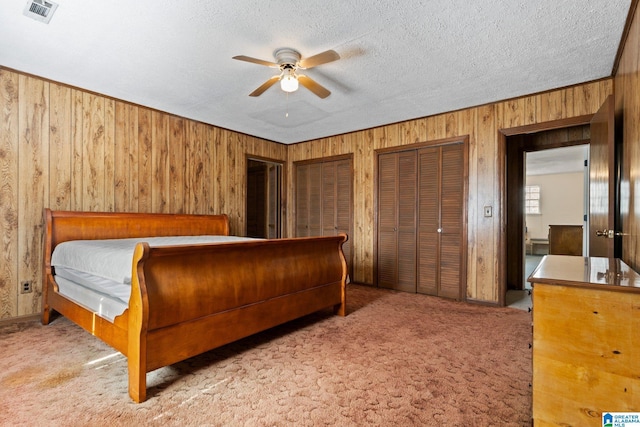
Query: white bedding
[112, 258]
[97, 273]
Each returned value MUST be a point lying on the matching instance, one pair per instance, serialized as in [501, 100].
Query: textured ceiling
[557, 160]
[399, 59]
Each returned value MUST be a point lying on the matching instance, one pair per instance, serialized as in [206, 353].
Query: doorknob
[439, 230]
[609, 234]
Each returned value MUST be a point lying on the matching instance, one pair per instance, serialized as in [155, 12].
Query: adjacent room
[344, 213]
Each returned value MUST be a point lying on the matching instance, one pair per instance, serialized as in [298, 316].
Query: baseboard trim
[19, 319]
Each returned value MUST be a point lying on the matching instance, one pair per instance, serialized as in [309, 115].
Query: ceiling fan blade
[314, 87]
[266, 85]
[319, 59]
[256, 61]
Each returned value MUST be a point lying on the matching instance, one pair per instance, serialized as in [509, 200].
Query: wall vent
[40, 10]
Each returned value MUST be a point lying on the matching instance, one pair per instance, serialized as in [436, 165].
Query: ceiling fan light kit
[289, 80]
[289, 61]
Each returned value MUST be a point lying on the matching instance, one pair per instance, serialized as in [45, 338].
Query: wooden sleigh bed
[188, 299]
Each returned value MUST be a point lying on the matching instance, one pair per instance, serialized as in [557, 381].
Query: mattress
[97, 273]
[104, 305]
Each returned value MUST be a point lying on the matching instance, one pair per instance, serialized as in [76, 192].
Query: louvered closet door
[329, 199]
[336, 201]
[315, 199]
[308, 200]
[429, 220]
[302, 201]
[440, 220]
[387, 262]
[396, 263]
[324, 200]
[451, 202]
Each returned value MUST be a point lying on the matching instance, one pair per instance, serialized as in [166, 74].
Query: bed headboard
[61, 226]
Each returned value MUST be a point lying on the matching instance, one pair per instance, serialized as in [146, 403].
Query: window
[532, 199]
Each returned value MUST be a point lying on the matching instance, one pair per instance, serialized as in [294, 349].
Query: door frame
[281, 194]
[502, 177]
[517, 147]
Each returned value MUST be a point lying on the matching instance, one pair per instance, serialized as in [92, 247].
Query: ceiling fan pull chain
[286, 114]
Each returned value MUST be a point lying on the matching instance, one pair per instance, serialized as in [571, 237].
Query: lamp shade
[289, 81]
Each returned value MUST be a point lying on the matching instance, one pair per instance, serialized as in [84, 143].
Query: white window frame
[532, 200]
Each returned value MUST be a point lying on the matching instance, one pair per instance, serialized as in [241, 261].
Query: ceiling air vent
[40, 10]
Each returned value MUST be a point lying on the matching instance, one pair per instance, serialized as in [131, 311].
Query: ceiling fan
[289, 61]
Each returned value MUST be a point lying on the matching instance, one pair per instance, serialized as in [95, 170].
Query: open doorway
[603, 224]
[556, 203]
[263, 208]
[547, 189]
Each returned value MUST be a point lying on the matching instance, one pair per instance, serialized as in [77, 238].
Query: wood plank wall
[627, 102]
[483, 125]
[65, 148]
[69, 149]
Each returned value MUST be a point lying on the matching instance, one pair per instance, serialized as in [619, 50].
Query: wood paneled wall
[486, 170]
[627, 101]
[65, 148]
[69, 149]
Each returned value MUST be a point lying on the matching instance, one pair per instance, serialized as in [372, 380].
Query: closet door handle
[439, 230]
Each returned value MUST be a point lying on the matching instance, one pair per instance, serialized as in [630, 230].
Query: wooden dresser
[565, 240]
[586, 340]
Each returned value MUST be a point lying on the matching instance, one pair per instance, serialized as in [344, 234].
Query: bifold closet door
[324, 200]
[336, 201]
[440, 220]
[428, 220]
[309, 200]
[396, 263]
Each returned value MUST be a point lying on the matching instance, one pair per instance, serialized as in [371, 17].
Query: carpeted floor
[396, 359]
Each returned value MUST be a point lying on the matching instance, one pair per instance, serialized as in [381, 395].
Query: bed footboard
[190, 299]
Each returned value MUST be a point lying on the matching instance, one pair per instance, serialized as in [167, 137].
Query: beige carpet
[396, 359]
